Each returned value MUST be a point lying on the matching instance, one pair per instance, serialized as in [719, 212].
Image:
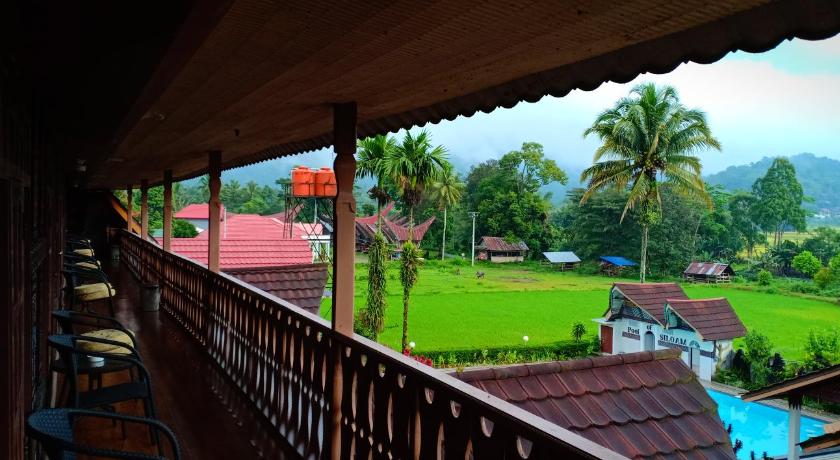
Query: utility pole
[472, 258]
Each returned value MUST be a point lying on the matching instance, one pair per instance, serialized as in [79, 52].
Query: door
[650, 343]
[606, 339]
[694, 357]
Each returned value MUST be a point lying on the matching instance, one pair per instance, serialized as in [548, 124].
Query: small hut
[614, 265]
[497, 250]
[708, 272]
[563, 260]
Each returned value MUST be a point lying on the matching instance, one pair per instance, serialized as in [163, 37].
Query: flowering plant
[419, 358]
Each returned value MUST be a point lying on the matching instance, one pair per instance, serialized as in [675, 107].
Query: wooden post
[794, 424]
[344, 132]
[167, 210]
[344, 234]
[214, 205]
[144, 209]
[129, 207]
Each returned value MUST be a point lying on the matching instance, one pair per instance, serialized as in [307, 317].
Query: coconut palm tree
[412, 166]
[447, 191]
[648, 140]
[371, 156]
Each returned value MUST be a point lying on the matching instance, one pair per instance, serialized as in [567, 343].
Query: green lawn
[450, 311]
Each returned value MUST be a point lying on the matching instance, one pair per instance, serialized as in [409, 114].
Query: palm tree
[447, 191]
[648, 140]
[372, 154]
[411, 166]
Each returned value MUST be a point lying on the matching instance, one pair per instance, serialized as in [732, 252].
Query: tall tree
[412, 166]
[447, 191]
[741, 206]
[779, 197]
[372, 154]
[647, 140]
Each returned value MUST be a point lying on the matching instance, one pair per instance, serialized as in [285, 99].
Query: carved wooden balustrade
[287, 364]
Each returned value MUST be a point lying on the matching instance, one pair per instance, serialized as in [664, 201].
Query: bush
[578, 331]
[183, 229]
[804, 288]
[822, 349]
[764, 278]
[823, 278]
[562, 350]
[806, 263]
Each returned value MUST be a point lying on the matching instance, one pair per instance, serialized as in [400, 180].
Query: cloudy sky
[782, 102]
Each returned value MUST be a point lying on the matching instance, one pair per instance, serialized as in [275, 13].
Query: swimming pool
[760, 427]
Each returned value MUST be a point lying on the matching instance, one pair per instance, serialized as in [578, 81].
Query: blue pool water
[761, 428]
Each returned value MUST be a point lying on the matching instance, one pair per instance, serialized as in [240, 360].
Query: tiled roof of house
[641, 405]
[652, 296]
[371, 220]
[706, 268]
[196, 211]
[495, 243]
[400, 232]
[302, 285]
[713, 319]
[235, 253]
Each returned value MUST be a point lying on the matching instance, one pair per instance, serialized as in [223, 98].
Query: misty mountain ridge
[819, 177]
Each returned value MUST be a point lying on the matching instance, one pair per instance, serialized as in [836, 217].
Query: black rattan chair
[53, 429]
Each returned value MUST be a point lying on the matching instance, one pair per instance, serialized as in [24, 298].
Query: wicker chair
[53, 429]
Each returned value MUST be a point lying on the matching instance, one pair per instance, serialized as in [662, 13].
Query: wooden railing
[289, 364]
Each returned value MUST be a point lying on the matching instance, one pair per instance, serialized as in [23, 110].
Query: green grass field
[450, 311]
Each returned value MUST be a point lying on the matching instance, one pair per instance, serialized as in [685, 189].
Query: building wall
[199, 224]
[505, 259]
[31, 237]
[628, 337]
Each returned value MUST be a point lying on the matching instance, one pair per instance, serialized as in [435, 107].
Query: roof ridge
[697, 300]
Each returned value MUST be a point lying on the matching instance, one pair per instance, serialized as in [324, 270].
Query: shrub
[757, 353]
[806, 263]
[562, 350]
[804, 288]
[822, 349]
[764, 278]
[183, 229]
[578, 331]
[823, 278]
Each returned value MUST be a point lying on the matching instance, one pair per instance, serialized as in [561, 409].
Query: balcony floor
[199, 405]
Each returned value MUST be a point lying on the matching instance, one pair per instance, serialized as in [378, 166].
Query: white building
[653, 316]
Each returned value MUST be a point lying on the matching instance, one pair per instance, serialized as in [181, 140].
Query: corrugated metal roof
[495, 243]
[713, 319]
[706, 268]
[618, 261]
[562, 257]
[641, 405]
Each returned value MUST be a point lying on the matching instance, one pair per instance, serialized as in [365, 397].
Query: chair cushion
[90, 265]
[84, 252]
[95, 291]
[107, 334]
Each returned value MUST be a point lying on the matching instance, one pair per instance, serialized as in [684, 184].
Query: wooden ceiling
[255, 79]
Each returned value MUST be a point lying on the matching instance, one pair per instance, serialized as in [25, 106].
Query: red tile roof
[706, 269]
[247, 253]
[302, 285]
[196, 211]
[249, 240]
[713, 319]
[401, 232]
[641, 405]
[371, 220]
[495, 243]
[651, 297]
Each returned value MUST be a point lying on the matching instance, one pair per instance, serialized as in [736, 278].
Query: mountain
[819, 177]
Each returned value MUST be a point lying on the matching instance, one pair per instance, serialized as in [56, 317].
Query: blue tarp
[619, 261]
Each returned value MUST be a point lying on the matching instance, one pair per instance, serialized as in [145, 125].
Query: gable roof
[713, 319]
[618, 261]
[824, 383]
[495, 243]
[562, 257]
[197, 211]
[302, 285]
[707, 269]
[652, 297]
[235, 253]
[400, 232]
[641, 405]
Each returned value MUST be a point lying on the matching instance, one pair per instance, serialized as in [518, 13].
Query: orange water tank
[303, 183]
[325, 184]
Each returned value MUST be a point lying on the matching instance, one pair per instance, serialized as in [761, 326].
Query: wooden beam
[129, 214]
[144, 209]
[214, 205]
[167, 210]
[344, 132]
